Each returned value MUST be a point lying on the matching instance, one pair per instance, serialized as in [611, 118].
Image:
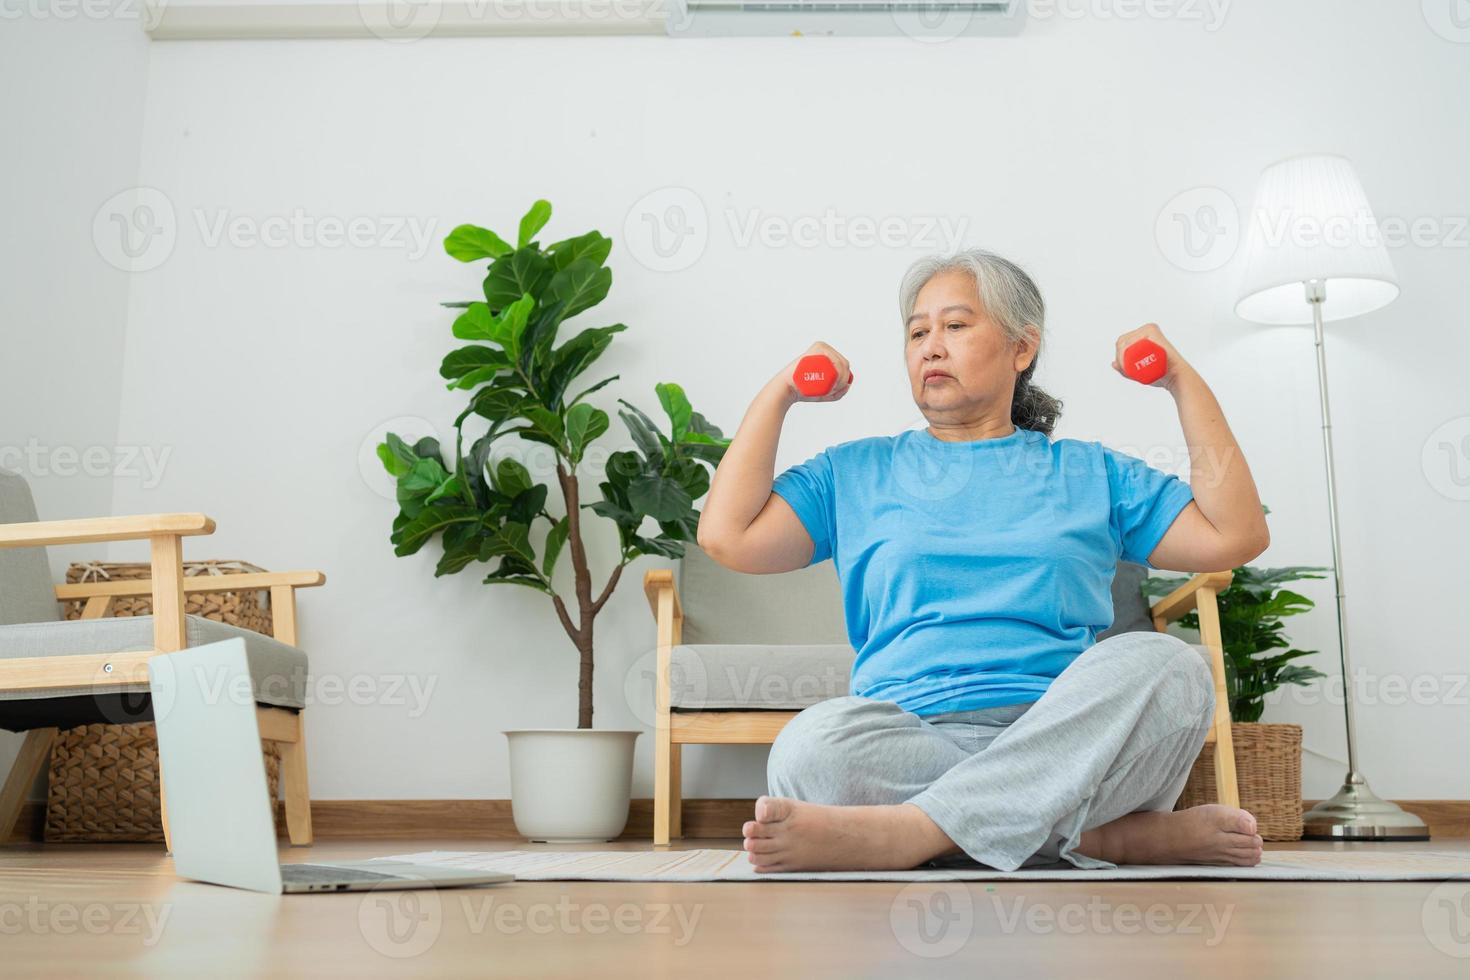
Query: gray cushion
[277, 671]
[26, 593]
[724, 606]
[1130, 605]
[758, 675]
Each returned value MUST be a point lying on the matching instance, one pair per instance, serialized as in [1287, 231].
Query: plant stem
[581, 634]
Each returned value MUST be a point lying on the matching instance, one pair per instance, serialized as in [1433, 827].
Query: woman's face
[950, 332]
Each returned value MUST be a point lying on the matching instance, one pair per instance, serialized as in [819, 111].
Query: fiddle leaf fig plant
[486, 507]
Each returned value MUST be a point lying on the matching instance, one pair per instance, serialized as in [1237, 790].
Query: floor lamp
[1314, 253]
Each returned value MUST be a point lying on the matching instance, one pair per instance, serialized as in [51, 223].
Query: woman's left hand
[1176, 365]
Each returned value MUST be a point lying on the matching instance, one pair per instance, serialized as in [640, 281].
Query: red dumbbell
[816, 375]
[1145, 361]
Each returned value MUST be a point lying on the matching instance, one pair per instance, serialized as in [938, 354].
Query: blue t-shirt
[973, 573]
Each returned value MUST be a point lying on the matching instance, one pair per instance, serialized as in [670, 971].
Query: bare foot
[1207, 834]
[792, 835]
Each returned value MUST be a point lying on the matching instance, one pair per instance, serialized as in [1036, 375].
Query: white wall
[72, 119]
[266, 371]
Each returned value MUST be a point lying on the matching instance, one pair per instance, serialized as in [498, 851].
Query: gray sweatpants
[1015, 786]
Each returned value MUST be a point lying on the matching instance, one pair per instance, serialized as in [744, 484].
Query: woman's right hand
[844, 372]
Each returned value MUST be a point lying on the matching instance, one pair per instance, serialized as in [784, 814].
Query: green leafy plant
[487, 509]
[1251, 610]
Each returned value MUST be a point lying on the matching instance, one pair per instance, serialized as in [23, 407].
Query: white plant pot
[570, 785]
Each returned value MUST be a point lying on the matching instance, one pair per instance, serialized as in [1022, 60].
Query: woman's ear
[1026, 348]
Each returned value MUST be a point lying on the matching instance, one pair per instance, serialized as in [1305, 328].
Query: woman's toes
[754, 828]
[770, 809]
[761, 845]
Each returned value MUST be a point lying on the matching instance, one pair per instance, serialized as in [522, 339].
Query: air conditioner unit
[923, 20]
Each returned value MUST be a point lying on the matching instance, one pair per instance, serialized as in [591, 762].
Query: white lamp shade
[1311, 220]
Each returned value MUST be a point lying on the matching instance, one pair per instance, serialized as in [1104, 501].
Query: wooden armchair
[58, 676]
[812, 591]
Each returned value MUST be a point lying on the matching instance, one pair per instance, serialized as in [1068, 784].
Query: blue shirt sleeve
[809, 488]
[1145, 502]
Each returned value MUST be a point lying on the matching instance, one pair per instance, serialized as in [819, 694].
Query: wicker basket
[1268, 772]
[244, 609]
[104, 778]
[104, 784]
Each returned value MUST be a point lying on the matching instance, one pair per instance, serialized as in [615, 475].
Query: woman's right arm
[744, 526]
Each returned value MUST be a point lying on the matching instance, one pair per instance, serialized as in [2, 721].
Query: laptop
[219, 811]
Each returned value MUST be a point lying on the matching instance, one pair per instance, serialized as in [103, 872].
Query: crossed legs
[1088, 774]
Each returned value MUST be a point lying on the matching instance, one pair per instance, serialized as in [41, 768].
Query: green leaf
[476, 378]
[592, 246]
[512, 276]
[699, 425]
[498, 404]
[547, 422]
[711, 454]
[575, 356]
[507, 539]
[495, 578]
[475, 323]
[649, 439]
[584, 424]
[527, 505]
[461, 546]
[555, 539]
[411, 537]
[661, 546]
[425, 475]
[622, 467]
[692, 476]
[470, 242]
[451, 487]
[676, 406]
[512, 324]
[659, 498]
[397, 458]
[512, 478]
[539, 335]
[461, 362]
[603, 383]
[581, 285]
[533, 222]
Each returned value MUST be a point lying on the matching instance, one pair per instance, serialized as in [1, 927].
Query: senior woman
[975, 559]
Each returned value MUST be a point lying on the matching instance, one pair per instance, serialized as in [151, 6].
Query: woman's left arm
[1224, 526]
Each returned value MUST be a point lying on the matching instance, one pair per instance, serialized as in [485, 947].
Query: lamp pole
[1355, 812]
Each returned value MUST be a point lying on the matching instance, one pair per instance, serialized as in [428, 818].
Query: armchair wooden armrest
[164, 533]
[93, 529]
[657, 581]
[1187, 597]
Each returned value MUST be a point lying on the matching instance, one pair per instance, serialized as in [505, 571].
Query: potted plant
[567, 784]
[1267, 756]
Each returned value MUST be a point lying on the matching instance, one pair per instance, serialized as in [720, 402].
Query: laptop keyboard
[311, 874]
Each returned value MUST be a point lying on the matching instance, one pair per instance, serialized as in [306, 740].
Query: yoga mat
[710, 864]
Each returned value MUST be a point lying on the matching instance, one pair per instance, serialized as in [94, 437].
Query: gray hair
[1013, 301]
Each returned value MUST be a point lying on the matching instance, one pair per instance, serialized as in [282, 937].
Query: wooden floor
[118, 910]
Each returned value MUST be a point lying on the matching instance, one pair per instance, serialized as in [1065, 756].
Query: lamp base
[1357, 813]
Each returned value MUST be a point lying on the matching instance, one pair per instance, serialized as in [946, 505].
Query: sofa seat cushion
[277, 671]
[758, 676]
[766, 677]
